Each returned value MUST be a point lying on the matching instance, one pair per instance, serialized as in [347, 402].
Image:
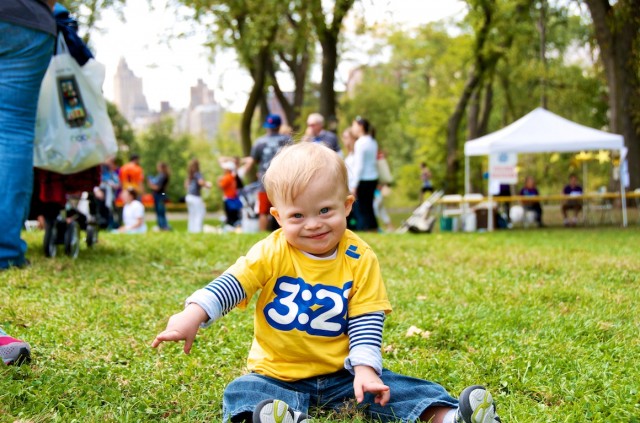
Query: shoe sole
[23, 356]
[273, 411]
[477, 403]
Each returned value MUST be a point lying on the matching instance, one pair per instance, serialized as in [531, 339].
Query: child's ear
[274, 212]
[348, 204]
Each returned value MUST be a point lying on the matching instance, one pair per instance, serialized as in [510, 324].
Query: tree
[123, 132]
[88, 13]
[328, 35]
[249, 27]
[293, 47]
[492, 40]
[617, 30]
[160, 144]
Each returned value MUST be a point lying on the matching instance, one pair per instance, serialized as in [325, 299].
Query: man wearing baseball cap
[263, 150]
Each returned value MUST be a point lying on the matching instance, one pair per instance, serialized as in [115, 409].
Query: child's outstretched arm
[204, 307]
[183, 326]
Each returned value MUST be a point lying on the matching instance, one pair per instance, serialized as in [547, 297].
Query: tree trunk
[472, 114]
[475, 76]
[542, 29]
[453, 161]
[258, 73]
[328, 36]
[487, 106]
[329, 65]
[616, 29]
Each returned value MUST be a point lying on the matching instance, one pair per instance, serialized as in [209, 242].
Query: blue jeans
[409, 396]
[24, 57]
[161, 210]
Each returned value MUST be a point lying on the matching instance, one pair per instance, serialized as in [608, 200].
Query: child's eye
[297, 215]
[324, 210]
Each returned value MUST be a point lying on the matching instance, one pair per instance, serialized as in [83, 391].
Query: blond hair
[296, 165]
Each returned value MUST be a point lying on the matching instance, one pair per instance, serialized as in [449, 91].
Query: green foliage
[123, 132]
[410, 97]
[547, 319]
[88, 13]
[159, 143]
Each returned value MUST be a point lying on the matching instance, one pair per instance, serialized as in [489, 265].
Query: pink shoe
[14, 351]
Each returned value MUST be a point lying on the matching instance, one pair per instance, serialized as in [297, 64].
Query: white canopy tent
[541, 131]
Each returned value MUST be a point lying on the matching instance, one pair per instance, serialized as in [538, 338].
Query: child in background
[319, 314]
[228, 185]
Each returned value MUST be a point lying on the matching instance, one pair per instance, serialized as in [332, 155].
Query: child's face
[316, 220]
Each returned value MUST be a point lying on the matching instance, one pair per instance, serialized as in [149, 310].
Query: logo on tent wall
[502, 168]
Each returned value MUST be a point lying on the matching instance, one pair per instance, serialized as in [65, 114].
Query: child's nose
[312, 222]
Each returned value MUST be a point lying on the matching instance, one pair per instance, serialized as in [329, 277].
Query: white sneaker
[476, 406]
[276, 411]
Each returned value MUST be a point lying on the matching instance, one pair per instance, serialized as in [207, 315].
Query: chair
[602, 205]
[452, 205]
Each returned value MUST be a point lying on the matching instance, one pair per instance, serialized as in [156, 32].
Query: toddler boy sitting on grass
[319, 314]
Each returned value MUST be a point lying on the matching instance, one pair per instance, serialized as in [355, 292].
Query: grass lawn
[548, 319]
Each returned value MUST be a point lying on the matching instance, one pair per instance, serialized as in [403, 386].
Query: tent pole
[467, 176]
[623, 196]
[490, 208]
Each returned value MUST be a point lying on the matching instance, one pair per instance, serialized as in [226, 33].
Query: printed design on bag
[73, 109]
[318, 309]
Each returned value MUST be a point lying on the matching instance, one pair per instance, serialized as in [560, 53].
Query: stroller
[249, 197]
[420, 221]
[69, 205]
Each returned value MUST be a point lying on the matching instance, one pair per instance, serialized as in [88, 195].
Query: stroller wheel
[50, 237]
[92, 235]
[72, 240]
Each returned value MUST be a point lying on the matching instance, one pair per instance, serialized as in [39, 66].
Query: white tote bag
[73, 130]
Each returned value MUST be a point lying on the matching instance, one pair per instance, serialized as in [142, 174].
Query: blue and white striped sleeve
[365, 342]
[219, 297]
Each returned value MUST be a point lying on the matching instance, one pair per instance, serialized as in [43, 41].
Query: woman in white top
[132, 213]
[365, 169]
[196, 208]
[349, 141]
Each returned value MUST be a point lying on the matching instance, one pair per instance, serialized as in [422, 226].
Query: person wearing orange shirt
[132, 175]
[232, 204]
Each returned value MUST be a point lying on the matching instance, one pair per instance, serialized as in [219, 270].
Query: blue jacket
[68, 26]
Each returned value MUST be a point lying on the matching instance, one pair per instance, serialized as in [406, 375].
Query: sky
[170, 68]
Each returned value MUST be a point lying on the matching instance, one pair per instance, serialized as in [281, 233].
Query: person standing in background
[365, 169]
[196, 208]
[158, 185]
[349, 141]
[262, 152]
[132, 175]
[316, 133]
[228, 185]
[425, 179]
[28, 32]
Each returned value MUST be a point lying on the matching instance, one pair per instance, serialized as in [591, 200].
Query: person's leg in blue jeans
[24, 57]
[161, 211]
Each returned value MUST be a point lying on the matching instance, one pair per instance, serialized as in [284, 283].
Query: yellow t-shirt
[300, 327]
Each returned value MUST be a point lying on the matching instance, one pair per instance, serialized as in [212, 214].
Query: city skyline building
[202, 117]
[128, 94]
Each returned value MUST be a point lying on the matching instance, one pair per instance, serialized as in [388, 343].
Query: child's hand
[182, 326]
[367, 380]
